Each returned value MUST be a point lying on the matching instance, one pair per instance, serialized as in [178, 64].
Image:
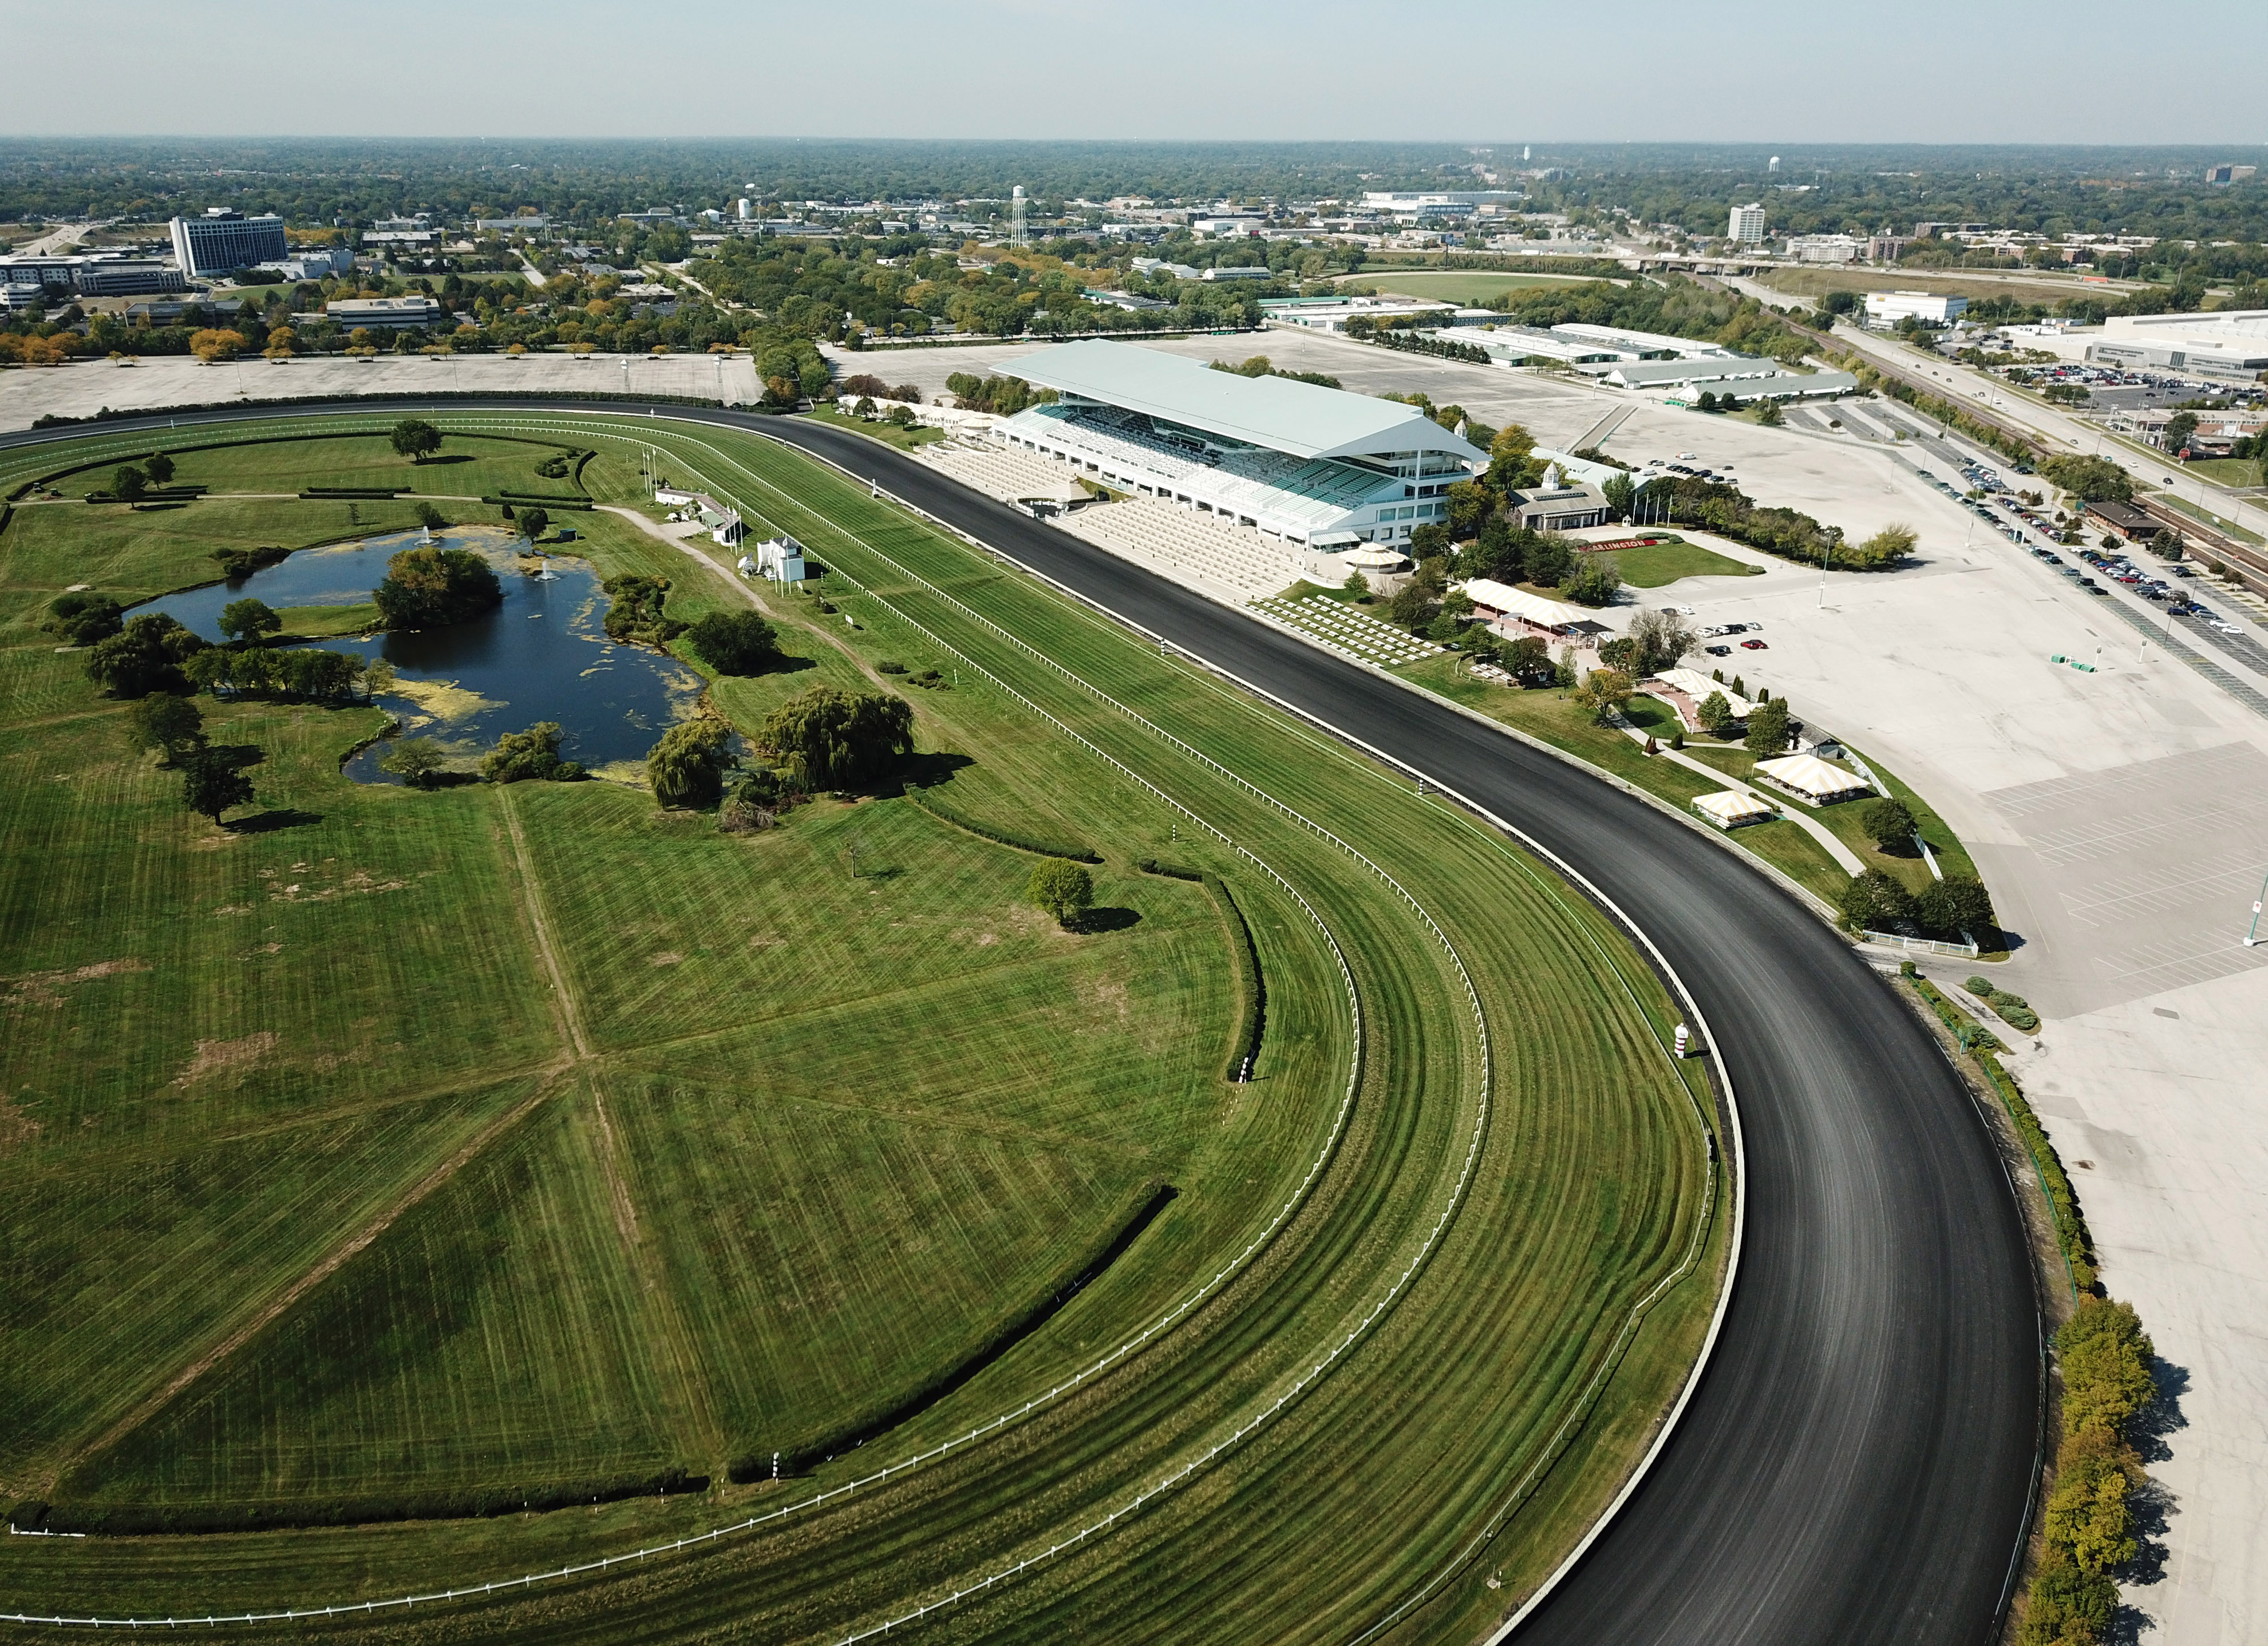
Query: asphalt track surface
[1855, 1463]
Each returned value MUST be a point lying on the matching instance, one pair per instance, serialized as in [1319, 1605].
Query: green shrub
[529, 756]
[637, 611]
[686, 768]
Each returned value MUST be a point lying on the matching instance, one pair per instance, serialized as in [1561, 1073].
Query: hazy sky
[1910, 70]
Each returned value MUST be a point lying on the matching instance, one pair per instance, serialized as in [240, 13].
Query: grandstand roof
[1302, 419]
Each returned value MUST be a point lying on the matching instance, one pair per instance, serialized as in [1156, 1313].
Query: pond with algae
[542, 655]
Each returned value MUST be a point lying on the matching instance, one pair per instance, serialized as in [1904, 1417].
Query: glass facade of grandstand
[1241, 449]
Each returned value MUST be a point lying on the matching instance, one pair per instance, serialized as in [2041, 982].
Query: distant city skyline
[2038, 73]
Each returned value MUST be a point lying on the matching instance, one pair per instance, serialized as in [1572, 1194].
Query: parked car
[1717, 651]
[1753, 645]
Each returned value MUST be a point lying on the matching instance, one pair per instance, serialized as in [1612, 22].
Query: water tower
[1773, 169]
[1016, 217]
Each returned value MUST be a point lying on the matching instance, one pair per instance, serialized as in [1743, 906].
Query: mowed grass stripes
[847, 1105]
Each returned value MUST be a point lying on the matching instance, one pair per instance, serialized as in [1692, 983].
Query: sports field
[398, 1152]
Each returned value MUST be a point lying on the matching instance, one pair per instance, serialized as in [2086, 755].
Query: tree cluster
[529, 756]
[1875, 901]
[431, 588]
[637, 613]
[298, 674]
[145, 656]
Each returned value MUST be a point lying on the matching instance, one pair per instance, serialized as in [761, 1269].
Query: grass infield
[427, 1144]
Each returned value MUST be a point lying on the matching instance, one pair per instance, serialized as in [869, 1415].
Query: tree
[1413, 605]
[128, 484]
[1621, 493]
[1593, 582]
[1512, 460]
[686, 768]
[170, 725]
[529, 756]
[144, 657]
[1547, 558]
[1356, 585]
[1065, 890]
[1770, 415]
[534, 523]
[416, 760]
[1604, 691]
[250, 619]
[1956, 904]
[1767, 729]
[414, 439]
[734, 642]
[1887, 822]
[428, 588]
[1662, 638]
[213, 346]
[834, 739]
[1875, 902]
[432, 518]
[2179, 428]
[1894, 542]
[211, 782]
[159, 468]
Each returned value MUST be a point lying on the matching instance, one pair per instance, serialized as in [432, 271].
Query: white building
[1827, 248]
[313, 263]
[1320, 468]
[1887, 308]
[1747, 227]
[777, 559]
[383, 313]
[2230, 344]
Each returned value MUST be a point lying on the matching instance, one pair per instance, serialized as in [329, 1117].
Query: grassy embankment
[1473, 287]
[735, 1191]
[887, 433]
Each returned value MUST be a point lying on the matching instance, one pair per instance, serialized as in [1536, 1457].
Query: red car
[1754, 645]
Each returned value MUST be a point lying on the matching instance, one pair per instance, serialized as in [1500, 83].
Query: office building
[1747, 227]
[221, 242]
[383, 314]
[2231, 173]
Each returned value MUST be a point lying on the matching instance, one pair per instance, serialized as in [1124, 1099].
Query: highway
[1855, 1463]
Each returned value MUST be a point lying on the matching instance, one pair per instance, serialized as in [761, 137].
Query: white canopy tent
[1807, 777]
[1729, 809]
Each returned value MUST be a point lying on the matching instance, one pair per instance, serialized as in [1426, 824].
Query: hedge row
[358, 494]
[549, 499]
[800, 1455]
[514, 500]
[472, 1503]
[1245, 1048]
[929, 801]
[1250, 983]
[2071, 1228]
[2013, 1010]
[155, 494]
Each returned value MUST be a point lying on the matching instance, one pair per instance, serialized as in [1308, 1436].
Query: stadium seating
[1187, 546]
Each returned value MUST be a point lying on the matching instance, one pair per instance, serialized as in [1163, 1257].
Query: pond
[542, 655]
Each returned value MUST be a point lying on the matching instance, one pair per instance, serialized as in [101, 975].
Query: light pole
[2252, 935]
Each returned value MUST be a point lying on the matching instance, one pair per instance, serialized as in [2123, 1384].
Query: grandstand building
[1319, 467]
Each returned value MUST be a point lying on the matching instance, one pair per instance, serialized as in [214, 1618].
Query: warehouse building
[2231, 344]
[1887, 308]
[1319, 467]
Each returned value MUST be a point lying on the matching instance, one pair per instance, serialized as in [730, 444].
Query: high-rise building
[223, 241]
[1748, 225]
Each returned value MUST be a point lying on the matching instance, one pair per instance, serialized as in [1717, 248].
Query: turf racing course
[1855, 1464]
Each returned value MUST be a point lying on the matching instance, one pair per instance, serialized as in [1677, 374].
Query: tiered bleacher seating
[1178, 541]
[1002, 471]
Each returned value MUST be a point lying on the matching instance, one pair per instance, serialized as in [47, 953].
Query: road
[1856, 1462]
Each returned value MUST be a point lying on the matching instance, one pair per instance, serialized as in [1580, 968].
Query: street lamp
[2252, 938]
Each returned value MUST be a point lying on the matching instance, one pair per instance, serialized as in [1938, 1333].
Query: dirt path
[570, 1018]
